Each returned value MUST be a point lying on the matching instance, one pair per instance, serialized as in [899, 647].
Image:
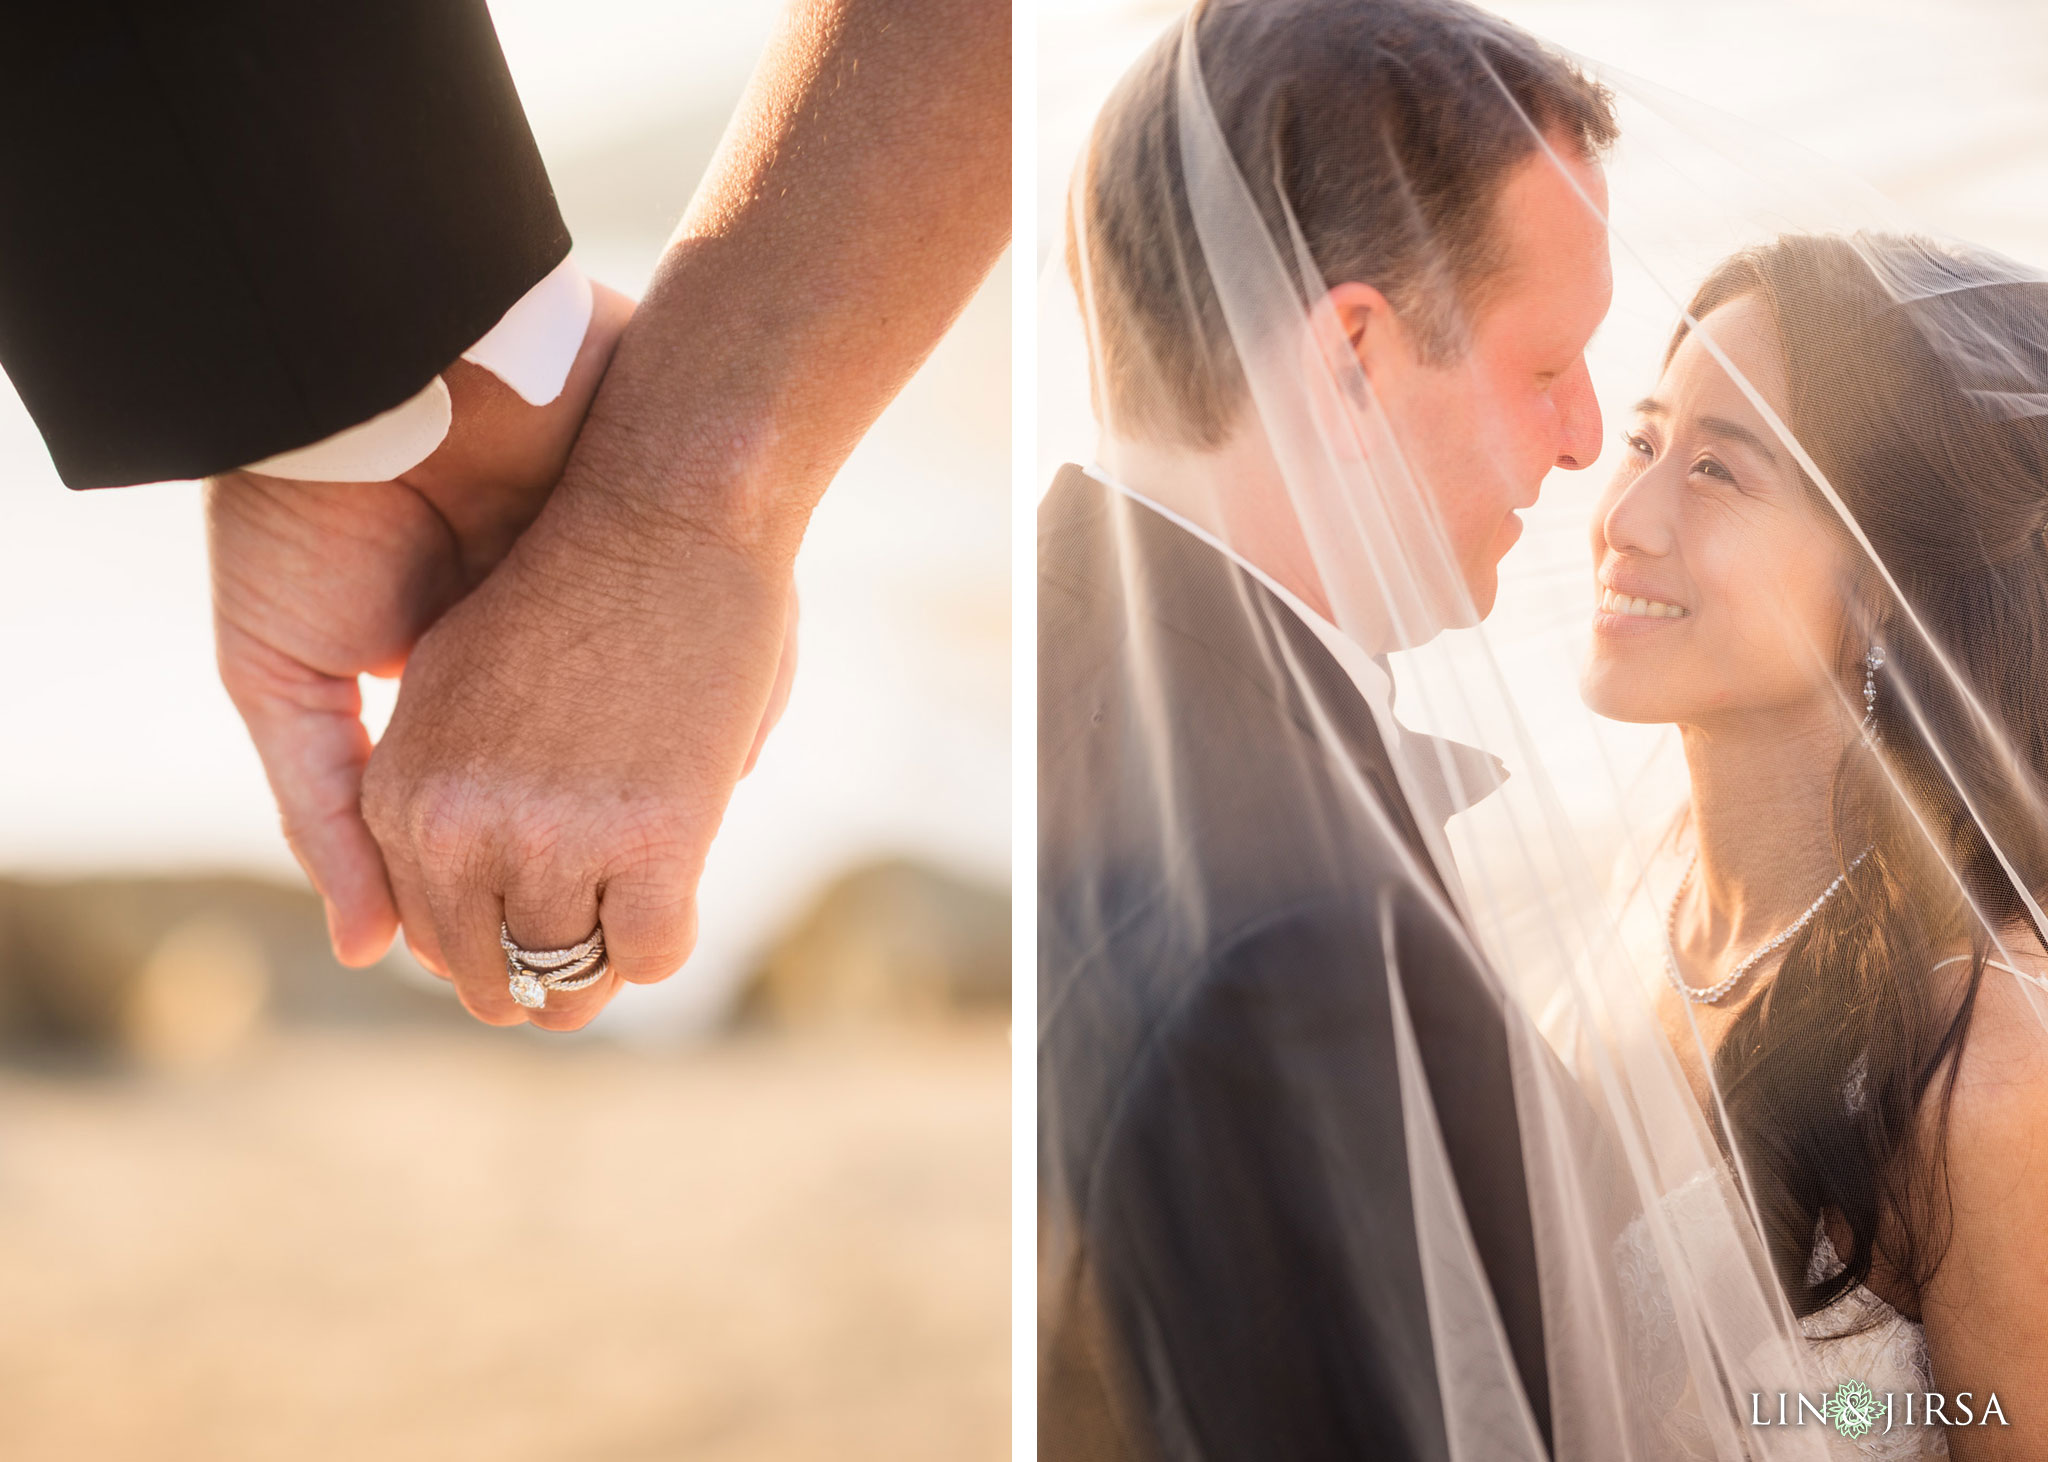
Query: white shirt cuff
[531, 349]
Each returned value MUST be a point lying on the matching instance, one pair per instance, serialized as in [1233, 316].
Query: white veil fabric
[1305, 361]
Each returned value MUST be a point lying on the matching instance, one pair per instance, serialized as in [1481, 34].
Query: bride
[1844, 958]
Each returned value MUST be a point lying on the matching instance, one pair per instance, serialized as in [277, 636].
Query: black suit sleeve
[1251, 1279]
[229, 228]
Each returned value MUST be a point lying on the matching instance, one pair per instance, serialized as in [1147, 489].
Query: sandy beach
[438, 1244]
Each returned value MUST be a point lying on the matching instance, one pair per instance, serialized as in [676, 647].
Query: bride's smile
[1616, 600]
[1718, 583]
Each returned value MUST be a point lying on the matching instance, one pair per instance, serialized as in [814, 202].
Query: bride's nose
[1637, 518]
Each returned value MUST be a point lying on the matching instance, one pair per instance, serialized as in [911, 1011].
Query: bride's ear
[1866, 609]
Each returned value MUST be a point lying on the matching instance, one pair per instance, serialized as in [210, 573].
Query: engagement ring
[531, 973]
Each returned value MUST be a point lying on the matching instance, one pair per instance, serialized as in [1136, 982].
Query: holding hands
[565, 745]
[591, 602]
[317, 583]
[484, 809]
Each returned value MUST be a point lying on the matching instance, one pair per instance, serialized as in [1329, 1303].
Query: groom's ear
[1353, 335]
[1359, 336]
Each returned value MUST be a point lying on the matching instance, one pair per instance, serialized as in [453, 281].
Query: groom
[1229, 1266]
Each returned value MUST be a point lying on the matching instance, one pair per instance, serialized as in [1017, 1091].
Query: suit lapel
[1110, 545]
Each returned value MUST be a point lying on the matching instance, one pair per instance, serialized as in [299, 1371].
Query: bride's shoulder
[1994, 1167]
[2001, 1085]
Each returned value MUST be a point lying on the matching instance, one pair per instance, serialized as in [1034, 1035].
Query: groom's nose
[1578, 418]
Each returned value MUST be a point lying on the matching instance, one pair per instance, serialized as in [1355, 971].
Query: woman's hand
[564, 746]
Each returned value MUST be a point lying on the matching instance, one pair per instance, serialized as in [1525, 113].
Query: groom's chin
[1482, 587]
[1482, 580]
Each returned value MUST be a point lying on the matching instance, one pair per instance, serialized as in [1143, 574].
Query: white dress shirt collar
[1366, 673]
[1478, 773]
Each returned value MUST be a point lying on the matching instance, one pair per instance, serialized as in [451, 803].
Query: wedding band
[600, 967]
[557, 977]
[546, 959]
[531, 973]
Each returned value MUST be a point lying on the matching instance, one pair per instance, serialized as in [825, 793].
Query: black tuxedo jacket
[229, 228]
[1228, 1263]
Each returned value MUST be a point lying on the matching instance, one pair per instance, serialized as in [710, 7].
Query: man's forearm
[860, 196]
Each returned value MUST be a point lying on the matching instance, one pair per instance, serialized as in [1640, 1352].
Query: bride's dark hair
[1912, 375]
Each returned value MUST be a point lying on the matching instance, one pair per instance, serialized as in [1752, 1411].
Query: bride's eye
[1708, 467]
[1640, 445]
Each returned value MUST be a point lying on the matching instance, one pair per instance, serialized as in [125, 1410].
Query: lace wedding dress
[1859, 1337]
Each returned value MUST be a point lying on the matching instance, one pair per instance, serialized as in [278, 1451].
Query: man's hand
[315, 584]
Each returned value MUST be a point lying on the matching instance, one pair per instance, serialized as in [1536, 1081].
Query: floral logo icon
[1852, 1410]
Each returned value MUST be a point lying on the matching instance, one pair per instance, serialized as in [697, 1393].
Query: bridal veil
[1198, 334]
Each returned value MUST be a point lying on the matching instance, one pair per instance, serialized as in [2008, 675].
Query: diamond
[529, 991]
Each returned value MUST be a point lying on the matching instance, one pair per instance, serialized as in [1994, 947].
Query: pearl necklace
[1713, 994]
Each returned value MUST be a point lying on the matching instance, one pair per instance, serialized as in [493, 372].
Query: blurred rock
[889, 943]
[199, 995]
[179, 972]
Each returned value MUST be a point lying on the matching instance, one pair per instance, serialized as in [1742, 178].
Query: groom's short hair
[1389, 126]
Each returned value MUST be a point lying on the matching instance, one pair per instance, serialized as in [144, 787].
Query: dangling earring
[1872, 663]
